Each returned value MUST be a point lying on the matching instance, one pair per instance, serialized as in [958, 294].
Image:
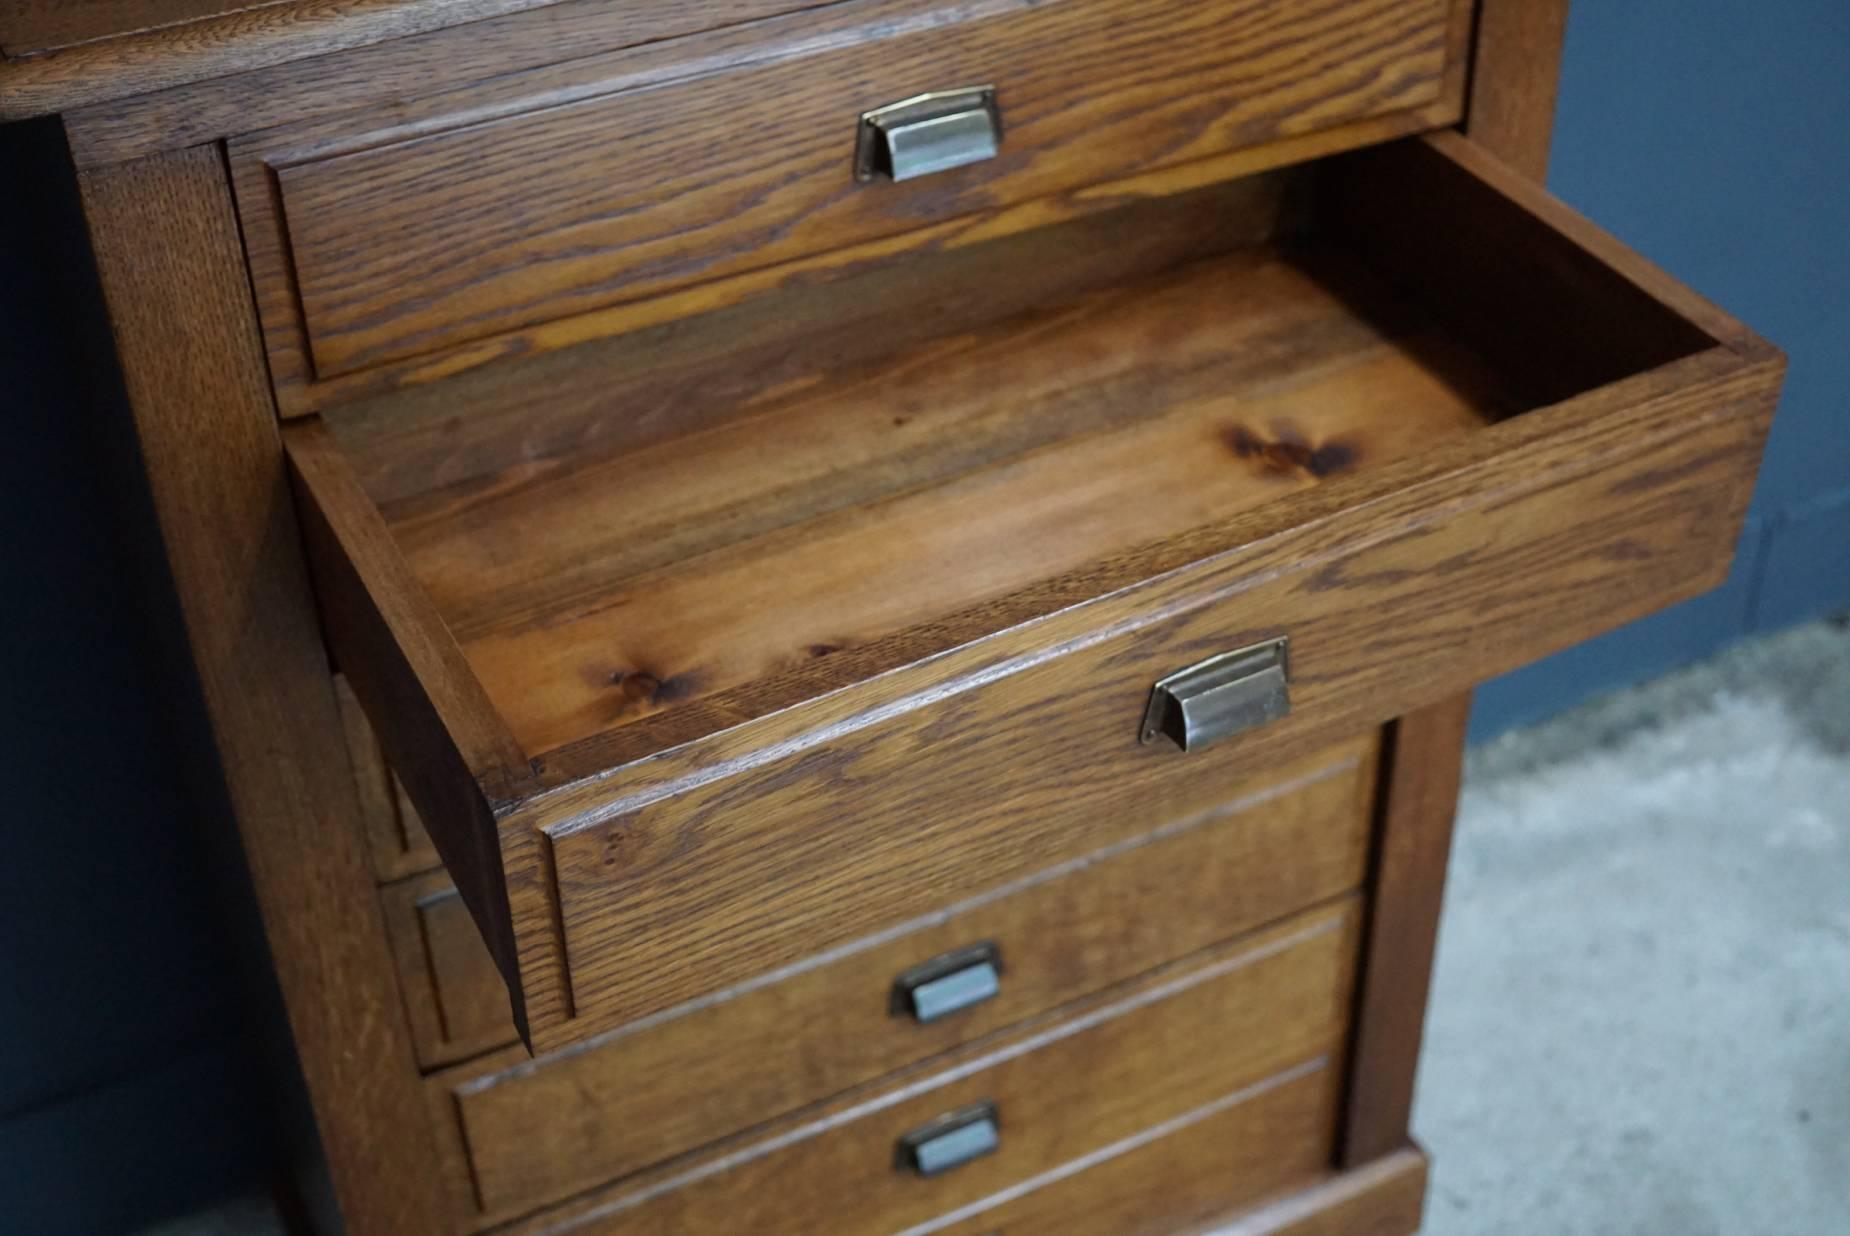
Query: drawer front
[1189, 1174]
[395, 837]
[741, 153]
[1239, 1027]
[664, 895]
[454, 996]
[644, 1094]
[1209, 1179]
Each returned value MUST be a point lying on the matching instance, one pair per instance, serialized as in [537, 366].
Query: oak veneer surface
[1308, 483]
[596, 588]
[1384, 1198]
[1515, 74]
[395, 836]
[402, 248]
[1220, 1023]
[29, 26]
[535, 1131]
[136, 58]
[455, 999]
[166, 246]
[1211, 1173]
[351, 67]
[1230, 1152]
[1407, 886]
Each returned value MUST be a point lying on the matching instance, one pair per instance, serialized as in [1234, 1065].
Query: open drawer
[706, 652]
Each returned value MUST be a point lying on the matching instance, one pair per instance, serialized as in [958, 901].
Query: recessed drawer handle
[1221, 697]
[948, 984]
[951, 1140]
[929, 133]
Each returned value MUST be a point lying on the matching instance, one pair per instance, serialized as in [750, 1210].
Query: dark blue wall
[1713, 135]
[129, 1087]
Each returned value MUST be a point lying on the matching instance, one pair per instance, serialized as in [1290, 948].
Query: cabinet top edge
[46, 69]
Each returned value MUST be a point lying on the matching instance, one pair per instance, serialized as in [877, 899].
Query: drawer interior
[1398, 406]
[719, 520]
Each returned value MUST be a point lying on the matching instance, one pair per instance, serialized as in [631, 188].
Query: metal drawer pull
[1221, 697]
[929, 133]
[948, 984]
[951, 1141]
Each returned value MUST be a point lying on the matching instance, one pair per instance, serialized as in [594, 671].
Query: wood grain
[1407, 887]
[28, 27]
[1576, 326]
[400, 847]
[573, 207]
[448, 745]
[691, 860]
[1199, 1167]
[1515, 69]
[1386, 1198]
[1615, 329]
[1224, 1022]
[166, 249]
[244, 99]
[299, 394]
[437, 443]
[454, 995]
[535, 1132]
[1515, 72]
[710, 562]
[1543, 528]
[986, 212]
[531, 564]
[305, 852]
[1572, 260]
[238, 41]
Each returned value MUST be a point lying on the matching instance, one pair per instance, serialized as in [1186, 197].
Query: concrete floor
[1641, 1014]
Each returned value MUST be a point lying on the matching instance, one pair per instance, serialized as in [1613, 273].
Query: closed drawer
[535, 1133]
[454, 996]
[680, 713]
[1256, 1026]
[622, 177]
[1235, 1167]
[395, 837]
[1182, 1182]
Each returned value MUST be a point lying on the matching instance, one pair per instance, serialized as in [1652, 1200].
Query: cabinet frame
[171, 263]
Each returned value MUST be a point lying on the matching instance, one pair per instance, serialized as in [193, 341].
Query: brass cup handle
[928, 133]
[1222, 696]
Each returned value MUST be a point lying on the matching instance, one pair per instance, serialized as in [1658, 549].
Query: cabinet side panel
[1514, 75]
[168, 255]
